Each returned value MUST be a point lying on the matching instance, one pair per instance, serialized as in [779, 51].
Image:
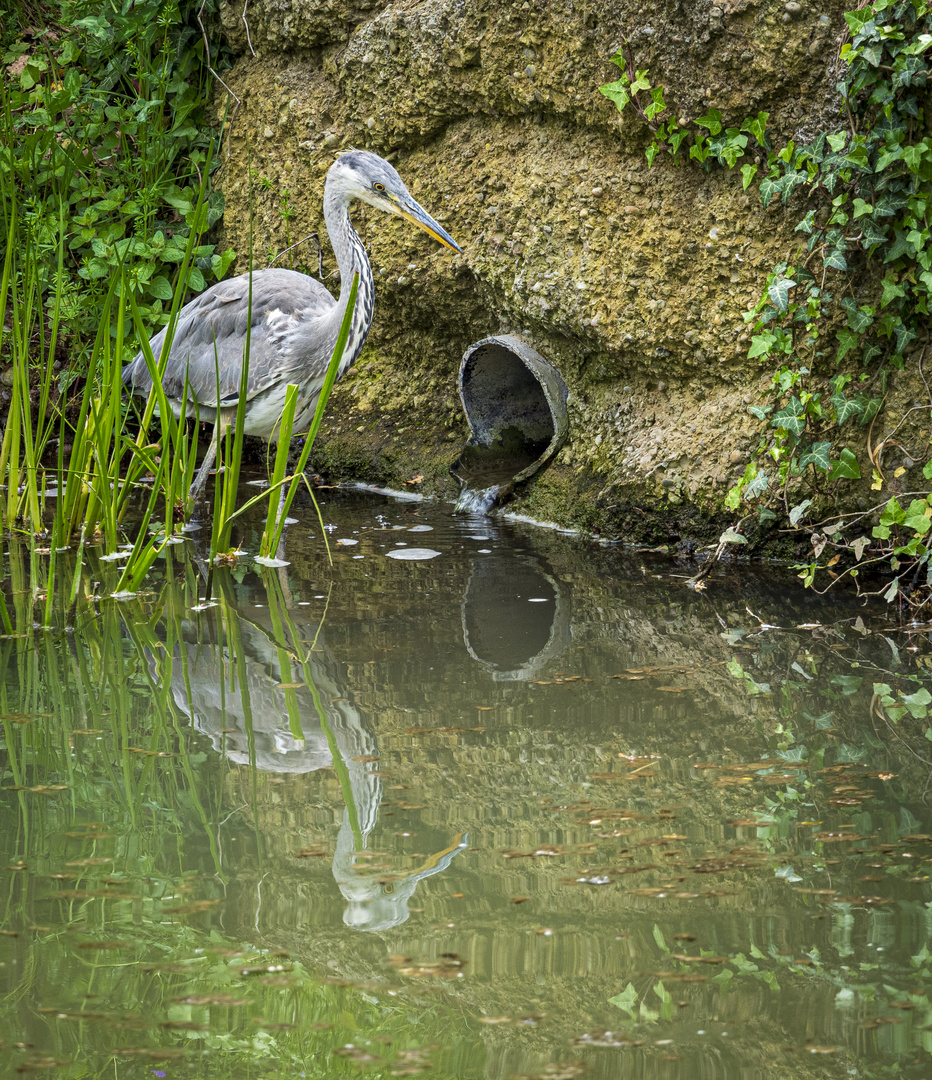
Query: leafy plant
[104, 139]
[851, 306]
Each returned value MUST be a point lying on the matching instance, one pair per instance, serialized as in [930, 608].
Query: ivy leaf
[757, 486]
[858, 546]
[889, 157]
[817, 455]
[761, 412]
[891, 290]
[846, 467]
[847, 340]
[761, 345]
[917, 516]
[617, 92]
[792, 417]
[861, 208]
[779, 293]
[900, 246]
[872, 233]
[797, 512]
[712, 120]
[805, 226]
[845, 408]
[835, 260]
[769, 187]
[748, 172]
[893, 513]
[756, 126]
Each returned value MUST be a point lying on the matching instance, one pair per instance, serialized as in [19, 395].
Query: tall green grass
[90, 169]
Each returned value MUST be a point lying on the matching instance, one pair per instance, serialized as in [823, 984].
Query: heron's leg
[210, 457]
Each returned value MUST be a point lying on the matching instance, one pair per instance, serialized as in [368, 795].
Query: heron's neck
[351, 258]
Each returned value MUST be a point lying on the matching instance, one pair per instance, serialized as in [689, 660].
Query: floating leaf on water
[204, 607]
[421, 528]
[122, 594]
[347, 543]
[267, 560]
[412, 554]
[115, 555]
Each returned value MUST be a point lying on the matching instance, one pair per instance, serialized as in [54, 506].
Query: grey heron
[294, 319]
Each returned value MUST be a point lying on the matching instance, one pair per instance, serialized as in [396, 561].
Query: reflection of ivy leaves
[627, 1000]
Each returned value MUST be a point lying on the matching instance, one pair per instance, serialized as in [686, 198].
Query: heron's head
[365, 176]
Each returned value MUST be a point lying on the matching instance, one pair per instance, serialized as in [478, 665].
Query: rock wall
[633, 281]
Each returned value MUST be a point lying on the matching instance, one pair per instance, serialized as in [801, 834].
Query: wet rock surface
[632, 281]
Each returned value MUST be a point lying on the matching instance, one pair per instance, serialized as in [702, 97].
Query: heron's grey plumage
[295, 321]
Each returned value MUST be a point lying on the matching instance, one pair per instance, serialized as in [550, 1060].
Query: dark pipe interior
[509, 415]
[503, 397]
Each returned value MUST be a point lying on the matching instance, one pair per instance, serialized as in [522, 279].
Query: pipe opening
[515, 402]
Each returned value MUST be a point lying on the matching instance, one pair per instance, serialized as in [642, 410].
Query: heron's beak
[412, 211]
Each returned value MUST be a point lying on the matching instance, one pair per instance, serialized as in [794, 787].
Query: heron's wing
[210, 337]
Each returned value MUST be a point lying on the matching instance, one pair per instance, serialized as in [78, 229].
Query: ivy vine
[851, 306]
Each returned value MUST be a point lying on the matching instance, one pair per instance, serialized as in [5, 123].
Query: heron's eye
[378, 187]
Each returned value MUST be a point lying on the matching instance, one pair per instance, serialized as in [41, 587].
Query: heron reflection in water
[292, 322]
[246, 717]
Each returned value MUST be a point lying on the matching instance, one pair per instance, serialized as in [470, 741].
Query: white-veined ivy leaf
[859, 320]
[845, 408]
[846, 467]
[779, 293]
[806, 224]
[900, 246]
[792, 417]
[757, 486]
[729, 536]
[872, 233]
[768, 188]
[817, 455]
[904, 336]
[797, 512]
[837, 140]
[761, 411]
[765, 514]
[835, 260]
[892, 591]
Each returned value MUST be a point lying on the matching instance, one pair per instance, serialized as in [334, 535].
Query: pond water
[520, 804]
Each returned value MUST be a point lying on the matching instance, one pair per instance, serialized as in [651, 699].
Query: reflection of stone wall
[632, 280]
